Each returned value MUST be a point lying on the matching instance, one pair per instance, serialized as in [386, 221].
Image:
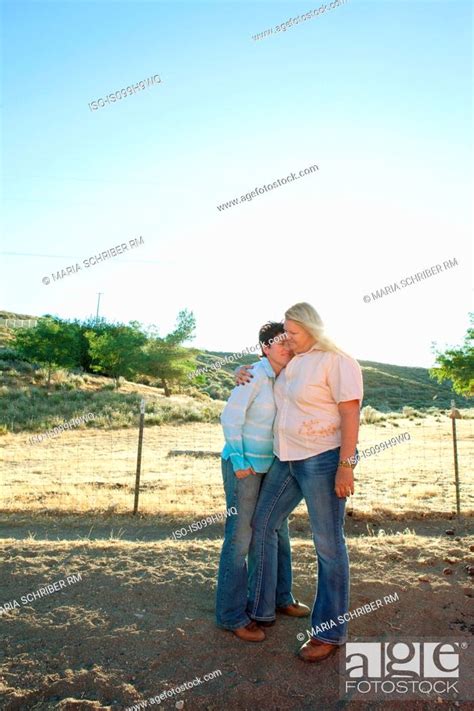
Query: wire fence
[95, 470]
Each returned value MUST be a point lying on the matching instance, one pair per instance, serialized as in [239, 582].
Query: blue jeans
[232, 582]
[284, 486]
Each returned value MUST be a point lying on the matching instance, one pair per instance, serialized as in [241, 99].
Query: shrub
[10, 354]
[369, 415]
[410, 412]
[10, 362]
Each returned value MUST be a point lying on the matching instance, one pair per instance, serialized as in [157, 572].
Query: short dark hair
[268, 332]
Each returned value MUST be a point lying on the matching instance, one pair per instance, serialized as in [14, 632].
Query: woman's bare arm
[350, 417]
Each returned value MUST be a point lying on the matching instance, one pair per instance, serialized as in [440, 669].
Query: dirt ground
[141, 618]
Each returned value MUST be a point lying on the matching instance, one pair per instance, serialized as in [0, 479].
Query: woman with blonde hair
[318, 397]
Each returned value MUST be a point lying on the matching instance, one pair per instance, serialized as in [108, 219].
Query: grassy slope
[9, 314]
[26, 405]
[387, 387]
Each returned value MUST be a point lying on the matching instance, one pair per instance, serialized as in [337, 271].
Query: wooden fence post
[139, 455]
[455, 415]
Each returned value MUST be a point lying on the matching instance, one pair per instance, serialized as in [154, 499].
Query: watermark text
[296, 20]
[203, 523]
[347, 616]
[59, 429]
[48, 589]
[123, 93]
[95, 259]
[176, 690]
[218, 364]
[409, 281]
[248, 197]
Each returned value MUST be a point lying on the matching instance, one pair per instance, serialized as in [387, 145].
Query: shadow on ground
[141, 619]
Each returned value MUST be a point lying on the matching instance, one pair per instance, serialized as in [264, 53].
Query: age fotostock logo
[404, 669]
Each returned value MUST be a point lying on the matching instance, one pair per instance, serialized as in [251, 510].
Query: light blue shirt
[247, 421]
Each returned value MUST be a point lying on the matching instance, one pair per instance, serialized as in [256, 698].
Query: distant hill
[386, 387]
[9, 314]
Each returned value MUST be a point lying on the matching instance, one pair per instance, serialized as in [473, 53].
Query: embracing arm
[243, 374]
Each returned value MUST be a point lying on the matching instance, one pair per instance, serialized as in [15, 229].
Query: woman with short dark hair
[247, 421]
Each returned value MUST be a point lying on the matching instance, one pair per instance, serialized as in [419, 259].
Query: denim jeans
[284, 486]
[232, 582]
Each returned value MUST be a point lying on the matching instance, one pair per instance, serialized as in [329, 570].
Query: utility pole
[100, 293]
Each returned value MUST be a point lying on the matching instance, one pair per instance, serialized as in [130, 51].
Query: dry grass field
[140, 620]
[93, 470]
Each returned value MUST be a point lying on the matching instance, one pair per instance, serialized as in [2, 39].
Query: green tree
[165, 358]
[98, 326]
[117, 350]
[52, 343]
[457, 364]
[184, 329]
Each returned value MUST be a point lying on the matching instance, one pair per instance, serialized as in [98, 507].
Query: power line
[89, 180]
[71, 256]
[27, 254]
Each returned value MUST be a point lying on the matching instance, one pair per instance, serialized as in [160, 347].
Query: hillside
[9, 314]
[386, 387]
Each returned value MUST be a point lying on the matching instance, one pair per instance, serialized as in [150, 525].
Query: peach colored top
[307, 393]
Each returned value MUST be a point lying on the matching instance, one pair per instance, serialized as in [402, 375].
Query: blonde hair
[306, 316]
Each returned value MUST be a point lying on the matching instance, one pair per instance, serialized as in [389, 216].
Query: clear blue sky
[377, 94]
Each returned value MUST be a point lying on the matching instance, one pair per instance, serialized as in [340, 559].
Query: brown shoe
[250, 633]
[315, 651]
[296, 609]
